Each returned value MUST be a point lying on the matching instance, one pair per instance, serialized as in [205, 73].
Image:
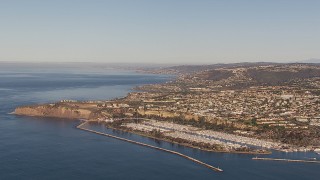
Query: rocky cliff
[54, 111]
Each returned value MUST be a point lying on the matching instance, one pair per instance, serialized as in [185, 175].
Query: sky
[159, 31]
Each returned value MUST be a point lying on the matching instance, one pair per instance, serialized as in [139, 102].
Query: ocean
[49, 148]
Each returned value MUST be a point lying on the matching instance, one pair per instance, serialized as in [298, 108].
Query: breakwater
[286, 160]
[150, 146]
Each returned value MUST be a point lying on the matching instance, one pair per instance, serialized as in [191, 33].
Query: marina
[150, 146]
[229, 141]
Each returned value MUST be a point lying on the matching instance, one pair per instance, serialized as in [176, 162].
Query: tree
[156, 133]
[202, 121]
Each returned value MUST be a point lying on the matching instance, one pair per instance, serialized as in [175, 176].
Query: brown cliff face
[54, 111]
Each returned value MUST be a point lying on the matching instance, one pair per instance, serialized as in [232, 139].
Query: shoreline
[188, 145]
[149, 136]
[217, 169]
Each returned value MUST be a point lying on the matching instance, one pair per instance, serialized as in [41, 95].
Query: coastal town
[224, 109]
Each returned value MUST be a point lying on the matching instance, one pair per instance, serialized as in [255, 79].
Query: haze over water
[48, 148]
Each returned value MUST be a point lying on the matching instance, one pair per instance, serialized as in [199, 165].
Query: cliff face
[54, 111]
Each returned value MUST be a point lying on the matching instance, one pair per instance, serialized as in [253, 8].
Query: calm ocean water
[47, 148]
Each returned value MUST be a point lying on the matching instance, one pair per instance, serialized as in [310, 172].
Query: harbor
[229, 142]
[217, 169]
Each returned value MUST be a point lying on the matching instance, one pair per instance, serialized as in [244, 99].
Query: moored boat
[317, 150]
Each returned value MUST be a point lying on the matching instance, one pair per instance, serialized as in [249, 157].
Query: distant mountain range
[312, 60]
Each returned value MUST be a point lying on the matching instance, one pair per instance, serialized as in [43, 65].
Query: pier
[150, 146]
[286, 160]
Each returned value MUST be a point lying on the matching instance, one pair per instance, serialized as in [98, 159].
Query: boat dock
[150, 146]
[287, 160]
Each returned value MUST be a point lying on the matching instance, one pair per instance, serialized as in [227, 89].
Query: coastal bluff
[54, 110]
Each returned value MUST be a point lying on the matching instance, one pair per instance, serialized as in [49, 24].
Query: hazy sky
[159, 31]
